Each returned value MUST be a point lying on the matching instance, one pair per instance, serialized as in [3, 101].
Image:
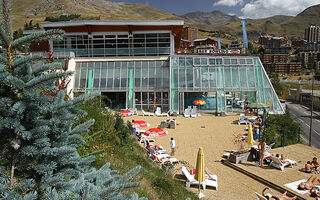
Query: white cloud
[228, 2]
[267, 8]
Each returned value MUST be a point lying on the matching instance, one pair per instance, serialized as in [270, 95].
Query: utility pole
[310, 134]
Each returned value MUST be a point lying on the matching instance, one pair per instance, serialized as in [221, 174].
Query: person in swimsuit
[315, 164]
[276, 196]
[262, 149]
[308, 167]
[309, 184]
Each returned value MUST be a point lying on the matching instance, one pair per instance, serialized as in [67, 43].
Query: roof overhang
[114, 23]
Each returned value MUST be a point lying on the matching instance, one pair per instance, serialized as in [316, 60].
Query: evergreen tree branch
[4, 37]
[6, 19]
[47, 67]
[25, 59]
[46, 77]
[39, 36]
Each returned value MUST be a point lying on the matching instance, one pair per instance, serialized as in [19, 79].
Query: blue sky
[241, 8]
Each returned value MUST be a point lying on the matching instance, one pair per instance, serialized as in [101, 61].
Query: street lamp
[311, 114]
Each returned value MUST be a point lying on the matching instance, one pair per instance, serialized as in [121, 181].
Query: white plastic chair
[276, 162]
[187, 112]
[144, 113]
[159, 114]
[193, 113]
[192, 181]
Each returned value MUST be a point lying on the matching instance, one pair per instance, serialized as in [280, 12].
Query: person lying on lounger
[276, 196]
[206, 171]
[309, 184]
[282, 158]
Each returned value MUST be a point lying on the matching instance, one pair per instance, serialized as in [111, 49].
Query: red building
[189, 33]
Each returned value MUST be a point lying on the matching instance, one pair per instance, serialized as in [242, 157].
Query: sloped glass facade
[224, 82]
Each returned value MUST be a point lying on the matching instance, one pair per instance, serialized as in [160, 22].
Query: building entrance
[149, 100]
[114, 100]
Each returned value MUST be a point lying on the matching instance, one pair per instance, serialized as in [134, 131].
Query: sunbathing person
[309, 184]
[207, 172]
[315, 163]
[308, 167]
[282, 158]
[276, 196]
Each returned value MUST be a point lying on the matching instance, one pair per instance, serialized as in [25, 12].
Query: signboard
[219, 51]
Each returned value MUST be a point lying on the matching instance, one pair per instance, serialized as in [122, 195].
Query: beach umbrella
[141, 124]
[199, 174]
[125, 113]
[199, 102]
[156, 132]
[250, 135]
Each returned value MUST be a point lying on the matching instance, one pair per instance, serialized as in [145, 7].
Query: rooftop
[118, 23]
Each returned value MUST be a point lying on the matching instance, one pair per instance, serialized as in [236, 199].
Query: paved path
[301, 114]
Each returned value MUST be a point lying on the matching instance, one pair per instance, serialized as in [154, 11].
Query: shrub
[283, 130]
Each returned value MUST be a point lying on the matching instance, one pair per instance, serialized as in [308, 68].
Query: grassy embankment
[111, 141]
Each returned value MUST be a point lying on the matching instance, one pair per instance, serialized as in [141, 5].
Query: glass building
[134, 65]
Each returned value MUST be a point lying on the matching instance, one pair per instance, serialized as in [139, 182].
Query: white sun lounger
[243, 119]
[192, 181]
[144, 113]
[276, 162]
[159, 114]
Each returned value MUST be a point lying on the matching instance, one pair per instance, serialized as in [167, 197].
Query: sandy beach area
[216, 135]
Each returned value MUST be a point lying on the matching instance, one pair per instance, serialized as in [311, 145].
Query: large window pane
[145, 73]
[83, 76]
[243, 77]
[137, 75]
[196, 77]
[152, 75]
[182, 78]
[235, 77]
[227, 76]
[205, 77]
[212, 77]
[110, 75]
[96, 75]
[251, 77]
[124, 75]
[189, 77]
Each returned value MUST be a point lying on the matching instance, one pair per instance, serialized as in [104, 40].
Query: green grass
[121, 150]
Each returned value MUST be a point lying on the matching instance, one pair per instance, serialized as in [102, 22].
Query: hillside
[38, 10]
[215, 17]
[278, 25]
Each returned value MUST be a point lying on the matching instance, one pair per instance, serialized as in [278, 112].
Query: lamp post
[310, 134]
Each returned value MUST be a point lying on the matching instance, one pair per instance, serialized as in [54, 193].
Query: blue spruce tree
[38, 140]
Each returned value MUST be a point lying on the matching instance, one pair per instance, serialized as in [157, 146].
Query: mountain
[38, 10]
[215, 17]
[279, 25]
[212, 24]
